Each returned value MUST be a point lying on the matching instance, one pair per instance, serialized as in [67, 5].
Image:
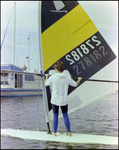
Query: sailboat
[67, 33]
[17, 81]
[73, 38]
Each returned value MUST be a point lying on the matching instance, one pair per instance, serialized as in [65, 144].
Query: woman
[59, 83]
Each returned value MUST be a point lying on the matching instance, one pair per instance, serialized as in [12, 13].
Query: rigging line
[6, 29]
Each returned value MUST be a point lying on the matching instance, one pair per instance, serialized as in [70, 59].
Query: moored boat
[18, 83]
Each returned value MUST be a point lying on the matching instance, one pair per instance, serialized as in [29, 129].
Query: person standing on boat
[59, 83]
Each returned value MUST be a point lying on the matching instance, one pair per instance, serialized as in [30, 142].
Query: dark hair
[59, 66]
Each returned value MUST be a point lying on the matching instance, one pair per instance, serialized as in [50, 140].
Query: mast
[41, 64]
[28, 53]
[14, 28]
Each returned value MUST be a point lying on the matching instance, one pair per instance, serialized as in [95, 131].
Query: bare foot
[54, 134]
[69, 134]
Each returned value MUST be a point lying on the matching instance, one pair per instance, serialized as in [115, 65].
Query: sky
[104, 15]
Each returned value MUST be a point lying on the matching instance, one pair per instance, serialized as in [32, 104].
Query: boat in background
[18, 83]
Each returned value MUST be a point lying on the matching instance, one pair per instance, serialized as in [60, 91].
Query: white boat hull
[20, 92]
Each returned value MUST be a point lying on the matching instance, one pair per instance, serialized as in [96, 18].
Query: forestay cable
[6, 29]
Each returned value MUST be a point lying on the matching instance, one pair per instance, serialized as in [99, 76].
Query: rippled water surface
[27, 113]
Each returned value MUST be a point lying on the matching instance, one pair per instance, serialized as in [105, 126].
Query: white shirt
[59, 83]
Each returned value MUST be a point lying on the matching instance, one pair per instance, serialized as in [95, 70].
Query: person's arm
[46, 75]
[78, 81]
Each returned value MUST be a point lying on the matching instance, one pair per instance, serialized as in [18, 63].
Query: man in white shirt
[59, 83]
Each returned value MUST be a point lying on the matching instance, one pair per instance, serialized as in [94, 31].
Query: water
[27, 113]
